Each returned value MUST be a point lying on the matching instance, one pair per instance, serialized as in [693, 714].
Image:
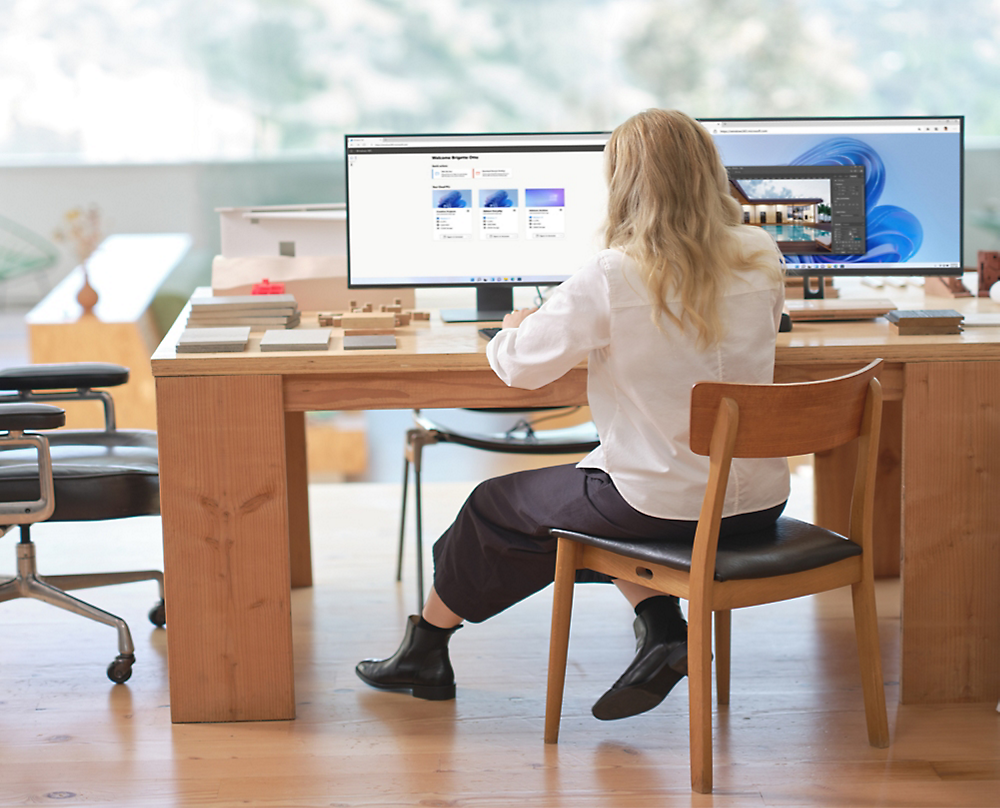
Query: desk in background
[235, 502]
[127, 271]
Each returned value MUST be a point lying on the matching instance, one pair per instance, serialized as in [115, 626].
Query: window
[138, 80]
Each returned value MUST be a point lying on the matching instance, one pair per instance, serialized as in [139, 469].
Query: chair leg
[402, 518]
[700, 695]
[417, 497]
[866, 630]
[723, 645]
[562, 610]
[33, 588]
[91, 579]
[416, 439]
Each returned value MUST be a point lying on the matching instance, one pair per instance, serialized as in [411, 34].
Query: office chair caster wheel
[158, 615]
[120, 670]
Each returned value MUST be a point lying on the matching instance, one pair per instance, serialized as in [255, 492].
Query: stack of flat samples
[213, 340]
[918, 322]
[256, 311]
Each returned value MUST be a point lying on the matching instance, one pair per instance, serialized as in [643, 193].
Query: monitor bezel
[812, 271]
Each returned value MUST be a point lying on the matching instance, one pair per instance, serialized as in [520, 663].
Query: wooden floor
[794, 734]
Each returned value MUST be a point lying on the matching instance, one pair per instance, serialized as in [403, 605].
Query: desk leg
[951, 532]
[225, 548]
[300, 548]
[834, 484]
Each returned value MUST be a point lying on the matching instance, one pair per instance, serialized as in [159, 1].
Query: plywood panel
[90, 340]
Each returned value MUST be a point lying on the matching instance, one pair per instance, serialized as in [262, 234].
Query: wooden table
[126, 271]
[235, 502]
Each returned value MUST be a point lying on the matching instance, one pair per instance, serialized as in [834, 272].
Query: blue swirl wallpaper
[912, 188]
[893, 234]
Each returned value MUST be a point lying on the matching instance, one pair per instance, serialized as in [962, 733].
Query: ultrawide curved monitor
[840, 196]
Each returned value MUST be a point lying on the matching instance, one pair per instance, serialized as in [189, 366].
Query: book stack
[256, 311]
[926, 321]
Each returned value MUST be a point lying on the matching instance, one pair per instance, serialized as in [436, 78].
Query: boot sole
[427, 692]
[640, 698]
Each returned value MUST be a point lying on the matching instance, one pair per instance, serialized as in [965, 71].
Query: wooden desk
[127, 271]
[235, 503]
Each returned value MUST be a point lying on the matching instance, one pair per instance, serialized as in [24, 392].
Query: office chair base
[28, 584]
[120, 671]
[158, 614]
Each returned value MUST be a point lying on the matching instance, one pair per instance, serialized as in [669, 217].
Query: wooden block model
[945, 287]
[369, 332]
[989, 271]
[368, 319]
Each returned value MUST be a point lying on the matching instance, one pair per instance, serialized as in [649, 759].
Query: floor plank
[794, 734]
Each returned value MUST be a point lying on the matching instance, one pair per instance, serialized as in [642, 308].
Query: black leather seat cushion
[790, 546]
[96, 474]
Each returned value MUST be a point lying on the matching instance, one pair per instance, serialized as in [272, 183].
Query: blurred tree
[743, 58]
[925, 57]
[300, 73]
[258, 55]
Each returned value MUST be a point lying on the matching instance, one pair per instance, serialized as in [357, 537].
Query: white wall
[158, 198]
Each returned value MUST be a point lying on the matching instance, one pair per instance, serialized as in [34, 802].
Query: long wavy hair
[671, 211]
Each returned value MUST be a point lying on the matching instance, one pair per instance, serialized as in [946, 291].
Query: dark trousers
[498, 550]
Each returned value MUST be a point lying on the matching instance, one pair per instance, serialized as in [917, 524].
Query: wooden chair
[791, 560]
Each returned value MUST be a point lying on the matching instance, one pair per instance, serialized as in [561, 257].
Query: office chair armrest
[66, 376]
[19, 417]
[71, 381]
[14, 419]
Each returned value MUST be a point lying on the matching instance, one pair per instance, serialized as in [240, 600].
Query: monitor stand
[813, 287]
[493, 301]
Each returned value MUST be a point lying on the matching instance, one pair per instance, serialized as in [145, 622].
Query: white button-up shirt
[639, 378]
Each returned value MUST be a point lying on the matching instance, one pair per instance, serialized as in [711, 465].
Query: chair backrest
[783, 420]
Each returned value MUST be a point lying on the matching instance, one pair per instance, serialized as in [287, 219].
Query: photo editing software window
[473, 209]
[851, 195]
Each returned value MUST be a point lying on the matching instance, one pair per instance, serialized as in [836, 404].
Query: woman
[684, 292]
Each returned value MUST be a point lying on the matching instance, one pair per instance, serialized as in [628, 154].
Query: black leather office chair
[522, 438]
[70, 475]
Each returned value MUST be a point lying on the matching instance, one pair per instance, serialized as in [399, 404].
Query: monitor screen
[840, 196]
[490, 211]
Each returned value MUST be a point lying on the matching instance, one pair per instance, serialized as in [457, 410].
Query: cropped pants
[498, 550]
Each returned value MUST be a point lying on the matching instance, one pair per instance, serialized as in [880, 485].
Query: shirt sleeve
[562, 333]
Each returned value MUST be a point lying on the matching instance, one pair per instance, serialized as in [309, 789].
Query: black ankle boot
[660, 661]
[420, 664]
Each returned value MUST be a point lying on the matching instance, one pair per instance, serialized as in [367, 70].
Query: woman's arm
[536, 347]
[515, 318]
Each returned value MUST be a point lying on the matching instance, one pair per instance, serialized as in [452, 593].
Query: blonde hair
[670, 210]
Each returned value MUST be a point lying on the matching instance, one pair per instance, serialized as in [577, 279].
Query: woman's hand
[515, 318]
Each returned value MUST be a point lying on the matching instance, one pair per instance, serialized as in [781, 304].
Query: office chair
[521, 439]
[69, 475]
[790, 560]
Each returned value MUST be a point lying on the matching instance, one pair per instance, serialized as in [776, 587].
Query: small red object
[265, 287]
